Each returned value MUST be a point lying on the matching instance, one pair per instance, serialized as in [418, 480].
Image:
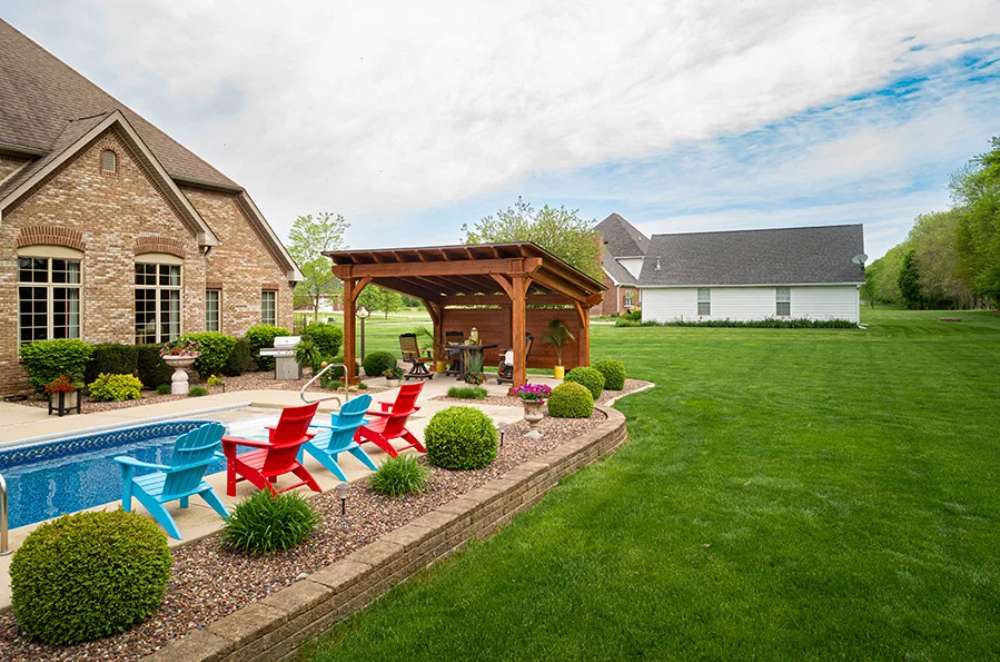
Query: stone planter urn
[534, 412]
[180, 364]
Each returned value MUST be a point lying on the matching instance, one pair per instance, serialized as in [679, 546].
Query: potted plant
[180, 355]
[558, 335]
[533, 397]
[64, 395]
[393, 376]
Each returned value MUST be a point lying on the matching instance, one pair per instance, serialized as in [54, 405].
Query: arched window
[109, 162]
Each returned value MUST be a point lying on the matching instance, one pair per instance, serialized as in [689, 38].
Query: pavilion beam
[504, 300]
[518, 322]
[437, 319]
[443, 268]
[350, 297]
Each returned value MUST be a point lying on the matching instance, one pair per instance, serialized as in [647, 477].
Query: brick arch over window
[50, 235]
[156, 244]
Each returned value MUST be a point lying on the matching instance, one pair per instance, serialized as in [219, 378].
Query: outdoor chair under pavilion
[338, 437]
[505, 371]
[178, 480]
[410, 350]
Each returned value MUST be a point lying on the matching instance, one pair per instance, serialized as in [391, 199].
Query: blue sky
[693, 116]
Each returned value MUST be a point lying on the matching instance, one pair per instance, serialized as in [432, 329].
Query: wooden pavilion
[503, 290]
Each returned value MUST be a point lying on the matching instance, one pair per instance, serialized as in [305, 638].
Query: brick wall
[116, 214]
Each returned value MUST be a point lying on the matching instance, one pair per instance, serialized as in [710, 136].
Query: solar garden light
[362, 314]
[343, 488]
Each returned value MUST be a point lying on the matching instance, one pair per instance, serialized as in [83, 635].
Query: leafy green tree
[884, 275]
[934, 238]
[909, 281]
[558, 230]
[374, 297]
[977, 190]
[309, 237]
[318, 282]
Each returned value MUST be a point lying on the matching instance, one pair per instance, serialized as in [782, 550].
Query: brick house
[623, 249]
[111, 231]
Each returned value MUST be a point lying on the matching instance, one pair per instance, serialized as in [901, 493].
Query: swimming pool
[53, 478]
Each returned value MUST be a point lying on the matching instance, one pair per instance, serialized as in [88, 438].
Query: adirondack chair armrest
[132, 462]
[386, 406]
[239, 441]
[386, 414]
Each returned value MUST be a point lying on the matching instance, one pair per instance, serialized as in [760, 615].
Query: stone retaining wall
[274, 628]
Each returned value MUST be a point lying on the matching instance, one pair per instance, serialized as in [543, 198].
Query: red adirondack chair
[391, 421]
[275, 457]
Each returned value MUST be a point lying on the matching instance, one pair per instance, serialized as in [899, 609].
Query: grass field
[794, 494]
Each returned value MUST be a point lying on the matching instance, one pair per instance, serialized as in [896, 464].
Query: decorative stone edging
[275, 627]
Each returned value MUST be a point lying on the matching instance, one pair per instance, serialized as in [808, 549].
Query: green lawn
[795, 494]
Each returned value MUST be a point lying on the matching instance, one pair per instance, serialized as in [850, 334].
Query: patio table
[473, 362]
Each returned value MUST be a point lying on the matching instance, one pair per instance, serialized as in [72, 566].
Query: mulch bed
[207, 582]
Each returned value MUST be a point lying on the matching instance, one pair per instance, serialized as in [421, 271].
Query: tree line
[950, 259]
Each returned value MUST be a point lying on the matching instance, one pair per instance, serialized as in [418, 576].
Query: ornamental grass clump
[88, 575]
[614, 373]
[461, 438]
[467, 392]
[571, 400]
[399, 476]
[591, 378]
[265, 523]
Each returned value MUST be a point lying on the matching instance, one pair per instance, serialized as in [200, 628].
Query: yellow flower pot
[440, 366]
[559, 372]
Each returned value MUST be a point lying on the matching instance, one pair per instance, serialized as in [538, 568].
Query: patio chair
[178, 480]
[338, 437]
[275, 457]
[505, 371]
[410, 350]
[454, 354]
[391, 421]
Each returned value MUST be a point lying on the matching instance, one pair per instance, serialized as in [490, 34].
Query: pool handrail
[305, 387]
[4, 546]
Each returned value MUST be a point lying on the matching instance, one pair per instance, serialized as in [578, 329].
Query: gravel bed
[208, 583]
[502, 400]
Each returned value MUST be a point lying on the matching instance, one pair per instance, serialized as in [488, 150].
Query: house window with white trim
[704, 301]
[48, 297]
[783, 301]
[627, 299]
[157, 302]
[213, 310]
[269, 307]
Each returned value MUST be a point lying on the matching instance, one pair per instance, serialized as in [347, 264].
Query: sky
[414, 118]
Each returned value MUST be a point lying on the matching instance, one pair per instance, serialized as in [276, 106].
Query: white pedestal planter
[534, 412]
[179, 380]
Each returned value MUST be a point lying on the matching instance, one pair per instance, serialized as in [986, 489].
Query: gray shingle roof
[621, 238]
[41, 96]
[619, 274]
[756, 257]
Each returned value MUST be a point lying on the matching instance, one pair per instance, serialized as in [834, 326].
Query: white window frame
[779, 300]
[628, 298]
[49, 254]
[159, 262]
[273, 308]
[218, 309]
[704, 299]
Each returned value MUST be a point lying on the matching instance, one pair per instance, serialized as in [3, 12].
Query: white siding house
[795, 273]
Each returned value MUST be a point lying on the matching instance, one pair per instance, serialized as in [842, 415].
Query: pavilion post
[583, 341]
[349, 309]
[518, 315]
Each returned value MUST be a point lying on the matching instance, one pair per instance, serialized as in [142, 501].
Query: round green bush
[571, 400]
[614, 373]
[326, 337]
[591, 378]
[263, 335]
[240, 359]
[214, 349]
[264, 523]
[399, 476]
[378, 362]
[114, 388]
[44, 360]
[461, 438]
[89, 575]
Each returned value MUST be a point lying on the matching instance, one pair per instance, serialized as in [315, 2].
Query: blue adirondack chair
[193, 452]
[338, 437]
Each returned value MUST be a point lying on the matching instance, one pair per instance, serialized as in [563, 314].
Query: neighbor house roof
[621, 238]
[783, 256]
[618, 274]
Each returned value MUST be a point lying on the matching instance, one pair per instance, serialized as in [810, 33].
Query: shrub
[332, 378]
[614, 373]
[197, 391]
[461, 438]
[263, 335]
[571, 400]
[327, 337]
[163, 389]
[153, 370]
[467, 392]
[592, 378]
[264, 523]
[214, 380]
[307, 354]
[399, 476]
[377, 363]
[44, 360]
[88, 575]
[214, 349]
[115, 388]
[240, 358]
[769, 323]
[113, 359]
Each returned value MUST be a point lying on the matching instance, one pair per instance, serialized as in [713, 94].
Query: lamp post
[362, 314]
[343, 489]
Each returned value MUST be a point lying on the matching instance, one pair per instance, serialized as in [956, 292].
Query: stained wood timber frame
[471, 277]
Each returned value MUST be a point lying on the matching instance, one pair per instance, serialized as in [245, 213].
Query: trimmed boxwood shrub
[240, 358]
[614, 373]
[88, 575]
[378, 362]
[589, 377]
[399, 476]
[461, 438]
[153, 370]
[114, 388]
[44, 360]
[327, 337]
[260, 336]
[112, 358]
[264, 523]
[214, 349]
[571, 400]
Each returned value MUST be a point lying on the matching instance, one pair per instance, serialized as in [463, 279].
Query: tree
[317, 282]
[884, 275]
[977, 190]
[909, 281]
[310, 236]
[560, 231]
[934, 238]
[374, 297]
